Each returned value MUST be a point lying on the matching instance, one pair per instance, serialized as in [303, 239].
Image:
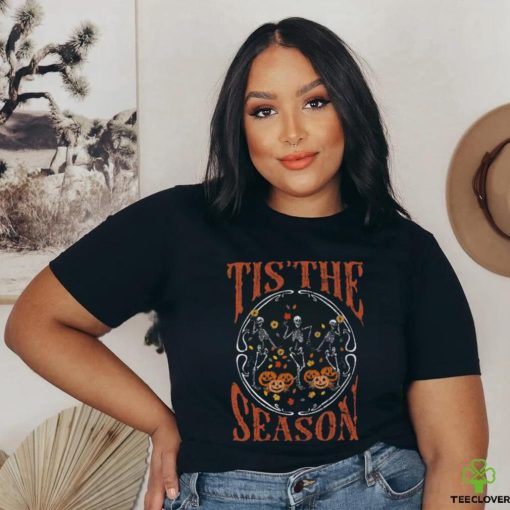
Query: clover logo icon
[478, 472]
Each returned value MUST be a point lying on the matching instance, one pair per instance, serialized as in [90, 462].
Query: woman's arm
[58, 338]
[450, 420]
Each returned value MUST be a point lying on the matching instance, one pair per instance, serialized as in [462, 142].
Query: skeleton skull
[297, 321]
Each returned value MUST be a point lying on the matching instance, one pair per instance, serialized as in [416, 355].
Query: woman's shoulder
[179, 195]
[418, 240]
[414, 230]
[181, 190]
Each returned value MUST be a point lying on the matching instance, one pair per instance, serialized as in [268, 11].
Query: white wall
[434, 67]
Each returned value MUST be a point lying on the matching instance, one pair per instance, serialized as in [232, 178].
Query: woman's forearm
[82, 366]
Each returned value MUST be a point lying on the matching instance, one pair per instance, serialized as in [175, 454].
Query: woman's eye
[318, 100]
[255, 113]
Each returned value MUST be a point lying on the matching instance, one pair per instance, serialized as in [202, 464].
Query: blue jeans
[382, 477]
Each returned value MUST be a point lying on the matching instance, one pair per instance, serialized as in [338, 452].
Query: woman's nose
[293, 129]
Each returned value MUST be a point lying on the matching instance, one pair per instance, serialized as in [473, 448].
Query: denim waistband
[293, 486]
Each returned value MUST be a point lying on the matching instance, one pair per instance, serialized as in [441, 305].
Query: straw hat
[478, 191]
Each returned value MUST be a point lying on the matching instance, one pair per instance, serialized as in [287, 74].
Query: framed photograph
[68, 127]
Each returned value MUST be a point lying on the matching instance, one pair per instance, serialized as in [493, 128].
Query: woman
[293, 237]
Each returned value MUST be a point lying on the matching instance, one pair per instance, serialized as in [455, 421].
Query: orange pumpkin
[286, 377]
[321, 381]
[310, 375]
[266, 377]
[276, 386]
[330, 372]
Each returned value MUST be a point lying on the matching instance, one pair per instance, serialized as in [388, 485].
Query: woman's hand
[163, 474]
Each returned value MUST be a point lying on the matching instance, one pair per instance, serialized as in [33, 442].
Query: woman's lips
[298, 164]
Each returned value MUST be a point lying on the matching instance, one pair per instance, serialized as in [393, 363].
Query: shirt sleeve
[117, 269]
[440, 331]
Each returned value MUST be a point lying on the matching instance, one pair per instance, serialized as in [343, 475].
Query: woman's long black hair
[364, 175]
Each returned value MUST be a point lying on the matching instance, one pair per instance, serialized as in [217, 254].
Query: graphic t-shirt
[290, 340]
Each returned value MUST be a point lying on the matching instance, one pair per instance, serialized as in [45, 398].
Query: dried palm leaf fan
[79, 459]
[3, 457]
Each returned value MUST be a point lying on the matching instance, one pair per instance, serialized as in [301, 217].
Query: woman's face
[290, 112]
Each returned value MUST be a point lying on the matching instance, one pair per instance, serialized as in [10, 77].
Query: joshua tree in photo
[68, 130]
[19, 60]
[115, 148]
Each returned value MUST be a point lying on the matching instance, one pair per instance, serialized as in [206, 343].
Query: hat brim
[472, 229]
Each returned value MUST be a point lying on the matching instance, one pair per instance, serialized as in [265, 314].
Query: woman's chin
[301, 186]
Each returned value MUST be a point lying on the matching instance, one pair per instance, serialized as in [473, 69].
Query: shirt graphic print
[296, 350]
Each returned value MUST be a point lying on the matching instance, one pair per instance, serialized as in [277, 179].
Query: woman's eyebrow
[269, 95]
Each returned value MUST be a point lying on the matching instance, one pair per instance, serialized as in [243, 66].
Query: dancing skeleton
[331, 353]
[262, 350]
[296, 349]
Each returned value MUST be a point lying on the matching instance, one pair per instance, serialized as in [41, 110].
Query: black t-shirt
[290, 340]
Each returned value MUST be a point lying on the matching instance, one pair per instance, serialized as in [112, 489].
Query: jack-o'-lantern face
[276, 386]
[330, 372]
[266, 377]
[286, 377]
[310, 375]
[321, 382]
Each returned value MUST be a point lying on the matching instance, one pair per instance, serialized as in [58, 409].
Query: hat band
[480, 182]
